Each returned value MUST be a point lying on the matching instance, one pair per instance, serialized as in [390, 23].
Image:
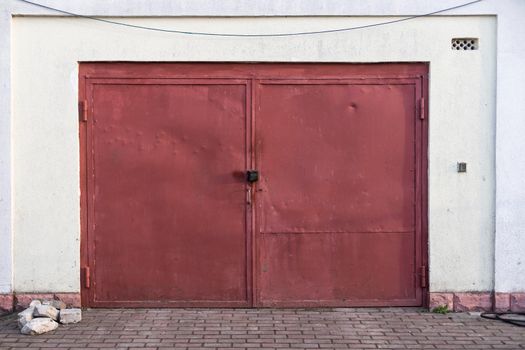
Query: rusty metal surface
[336, 269]
[336, 218]
[336, 206]
[336, 158]
[169, 209]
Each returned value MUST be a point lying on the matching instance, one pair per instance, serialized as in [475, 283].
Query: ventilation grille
[465, 44]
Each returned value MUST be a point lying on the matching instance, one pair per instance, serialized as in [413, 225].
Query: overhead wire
[254, 35]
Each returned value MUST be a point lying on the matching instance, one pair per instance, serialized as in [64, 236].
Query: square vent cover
[464, 43]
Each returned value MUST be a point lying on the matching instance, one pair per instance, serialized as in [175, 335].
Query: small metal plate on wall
[462, 167]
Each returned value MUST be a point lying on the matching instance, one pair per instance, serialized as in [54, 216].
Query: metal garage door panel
[337, 198]
[336, 158]
[169, 217]
[337, 269]
[339, 208]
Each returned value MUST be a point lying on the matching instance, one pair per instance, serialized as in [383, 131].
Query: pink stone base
[502, 302]
[22, 301]
[472, 302]
[517, 302]
[6, 303]
[71, 299]
[479, 301]
[441, 299]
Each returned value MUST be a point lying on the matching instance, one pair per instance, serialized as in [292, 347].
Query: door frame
[245, 72]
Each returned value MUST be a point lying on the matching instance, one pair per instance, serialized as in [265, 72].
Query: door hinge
[423, 276]
[422, 108]
[87, 277]
[83, 110]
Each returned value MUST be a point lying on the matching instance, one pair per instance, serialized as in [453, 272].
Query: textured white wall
[510, 152]
[45, 52]
[256, 8]
[6, 246]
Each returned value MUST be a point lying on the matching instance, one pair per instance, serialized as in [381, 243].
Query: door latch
[252, 175]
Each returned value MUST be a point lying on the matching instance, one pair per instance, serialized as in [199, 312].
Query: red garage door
[253, 184]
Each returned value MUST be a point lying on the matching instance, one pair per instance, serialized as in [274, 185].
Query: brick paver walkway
[270, 329]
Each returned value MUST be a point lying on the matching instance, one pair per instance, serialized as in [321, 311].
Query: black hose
[514, 318]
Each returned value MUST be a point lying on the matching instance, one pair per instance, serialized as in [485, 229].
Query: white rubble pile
[44, 316]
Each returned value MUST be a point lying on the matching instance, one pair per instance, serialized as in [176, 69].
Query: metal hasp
[252, 176]
[171, 215]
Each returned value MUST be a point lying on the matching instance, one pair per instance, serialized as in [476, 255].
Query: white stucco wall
[6, 243]
[45, 148]
[510, 152]
[509, 268]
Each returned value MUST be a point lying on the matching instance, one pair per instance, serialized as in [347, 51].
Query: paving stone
[352, 328]
[45, 311]
[70, 316]
[39, 326]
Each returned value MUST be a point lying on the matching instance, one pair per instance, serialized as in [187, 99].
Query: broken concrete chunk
[35, 303]
[70, 316]
[46, 311]
[42, 317]
[22, 322]
[39, 326]
[57, 304]
[27, 313]
[25, 316]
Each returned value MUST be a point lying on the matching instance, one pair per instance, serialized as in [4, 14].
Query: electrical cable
[336, 30]
[515, 318]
